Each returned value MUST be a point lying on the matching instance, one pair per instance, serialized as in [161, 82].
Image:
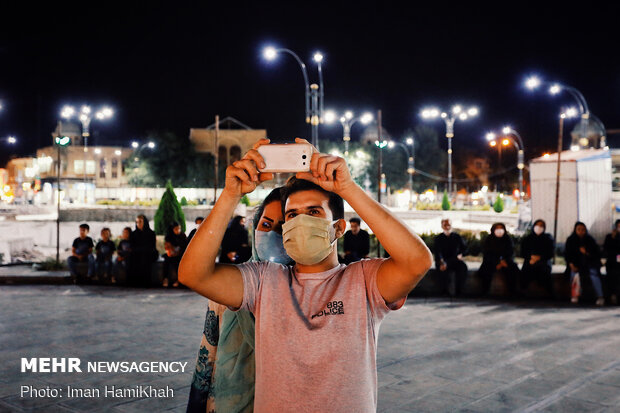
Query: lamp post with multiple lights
[85, 117]
[511, 135]
[457, 113]
[347, 120]
[534, 82]
[314, 94]
[409, 142]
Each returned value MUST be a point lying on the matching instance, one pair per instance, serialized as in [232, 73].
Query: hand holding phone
[287, 157]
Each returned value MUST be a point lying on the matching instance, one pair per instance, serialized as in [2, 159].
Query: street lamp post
[59, 141]
[314, 94]
[556, 88]
[85, 117]
[457, 113]
[347, 120]
[509, 136]
[410, 163]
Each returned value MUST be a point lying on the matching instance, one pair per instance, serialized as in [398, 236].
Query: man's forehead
[304, 199]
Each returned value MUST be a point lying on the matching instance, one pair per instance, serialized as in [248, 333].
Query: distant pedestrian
[497, 257]
[143, 253]
[174, 244]
[235, 244]
[82, 252]
[537, 250]
[583, 258]
[356, 242]
[197, 221]
[105, 249]
[449, 249]
[611, 251]
[123, 253]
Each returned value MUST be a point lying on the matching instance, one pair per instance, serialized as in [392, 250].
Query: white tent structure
[585, 191]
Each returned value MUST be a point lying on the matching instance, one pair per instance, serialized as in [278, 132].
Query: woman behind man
[583, 258]
[224, 377]
[143, 253]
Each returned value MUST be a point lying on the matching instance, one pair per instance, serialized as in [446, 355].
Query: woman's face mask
[308, 240]
[269, 247]
[538, 229]
[499, 232]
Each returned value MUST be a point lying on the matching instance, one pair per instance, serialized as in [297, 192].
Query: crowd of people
[135, 252]
[131, 258]
[582, 254]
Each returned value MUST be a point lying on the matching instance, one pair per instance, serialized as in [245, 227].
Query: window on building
[114, 168]
[235, 154]
[222, 155]
[78, 166]
[102, 166]
[90, 167]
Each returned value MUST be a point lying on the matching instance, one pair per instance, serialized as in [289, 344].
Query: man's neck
[331, 261]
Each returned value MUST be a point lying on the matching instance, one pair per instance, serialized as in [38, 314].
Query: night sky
[165, 67]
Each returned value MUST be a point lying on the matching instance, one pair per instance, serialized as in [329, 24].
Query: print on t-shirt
[333, 308]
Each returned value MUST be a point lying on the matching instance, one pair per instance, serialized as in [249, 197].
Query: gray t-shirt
[316, 336]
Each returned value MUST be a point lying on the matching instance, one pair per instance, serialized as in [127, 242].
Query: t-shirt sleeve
[377, 305]
[252, 273]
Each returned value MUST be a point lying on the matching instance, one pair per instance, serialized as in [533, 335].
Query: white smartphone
[286, 157]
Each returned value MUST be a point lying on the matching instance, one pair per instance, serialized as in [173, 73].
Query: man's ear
[341, 227]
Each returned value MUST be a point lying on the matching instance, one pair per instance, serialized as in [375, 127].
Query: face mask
[538, 229]
[269, 247]
[499, 232]
[308, 240]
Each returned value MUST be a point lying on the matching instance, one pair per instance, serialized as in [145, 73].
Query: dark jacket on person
[178, 242]
[235, 239]
[495, 249]
[592, 259]
[143, 242]
[611, 249]
[542, 245]
[358, 245]
[447, 247]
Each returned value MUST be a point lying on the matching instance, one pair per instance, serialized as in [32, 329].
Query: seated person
[105, 250]
[356, 242]
[123, 252]
[82, 251]
[583, 258]
[197, 221]
[497, 256]
[611, 251]
[175, 244]
[449, 248]
[537, 250]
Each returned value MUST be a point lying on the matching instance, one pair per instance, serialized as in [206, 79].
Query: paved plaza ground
[435, 355]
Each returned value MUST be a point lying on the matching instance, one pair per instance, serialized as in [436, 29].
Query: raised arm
[409, 259]
[221, 283]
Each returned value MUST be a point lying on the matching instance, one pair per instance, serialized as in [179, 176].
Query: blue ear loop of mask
[269, 247]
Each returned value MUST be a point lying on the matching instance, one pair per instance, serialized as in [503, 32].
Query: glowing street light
[347, 120]
[534, 82]
[85, 117]
[314, 94]
[509, 135]
[457, 112]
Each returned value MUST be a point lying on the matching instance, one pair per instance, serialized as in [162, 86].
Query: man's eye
[291, 215]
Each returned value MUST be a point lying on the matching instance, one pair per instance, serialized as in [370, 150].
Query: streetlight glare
[473, 111]
[463, 116]
[490, 136]
[532, 82]
[456, 109]
[67, 112]
[493, 143]
[430, 113]
[330, 116]
[409, 141]
[570, 112]
[11, 140]
[555, 89]
[151, 145]
[318, 57]
[366, 118]
[270, 53]
[348, 115]
[506, 130]
[134, 144]
[505, 142]
[85, 109]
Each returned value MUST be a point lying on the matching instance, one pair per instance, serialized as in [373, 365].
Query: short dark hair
[85, 226]
[356, 220]
[199, 219]
[127, 229]
[293, 185]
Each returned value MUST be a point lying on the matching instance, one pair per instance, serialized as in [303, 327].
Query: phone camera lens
[303, 157]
